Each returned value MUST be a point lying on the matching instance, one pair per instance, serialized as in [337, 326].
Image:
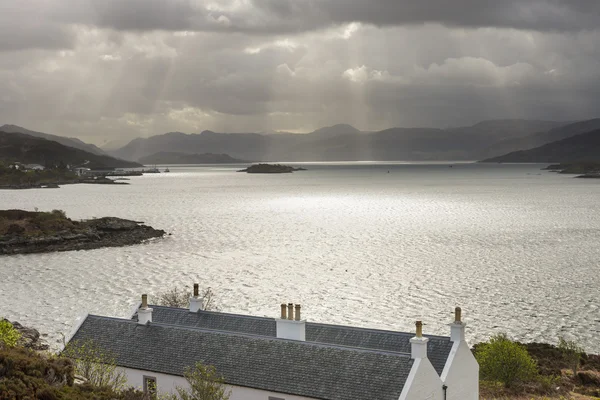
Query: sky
[104, 70]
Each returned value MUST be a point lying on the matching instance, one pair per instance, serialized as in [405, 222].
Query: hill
[166, 157]
[66, 141]
[32, 150]
[542, 138]
[584, 147]
[343, 143]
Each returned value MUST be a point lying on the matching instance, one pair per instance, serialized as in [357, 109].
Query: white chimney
[144, 312]
[289, 327]
[196, 300]
[419, 343]
[457, 328]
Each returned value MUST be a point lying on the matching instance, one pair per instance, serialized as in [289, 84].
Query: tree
[571, 352]
[180, 298]
[9, 336]
[505, 361]
[96, 365]
[205, 384]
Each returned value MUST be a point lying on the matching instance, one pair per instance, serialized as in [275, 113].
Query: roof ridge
[388, 331]
[256, 336]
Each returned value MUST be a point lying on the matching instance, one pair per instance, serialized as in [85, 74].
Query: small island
[270, 169]
[23, 232]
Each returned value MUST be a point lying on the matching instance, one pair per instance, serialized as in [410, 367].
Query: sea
[376, 245]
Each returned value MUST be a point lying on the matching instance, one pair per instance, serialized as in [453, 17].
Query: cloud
[289, 16]
[100, 70]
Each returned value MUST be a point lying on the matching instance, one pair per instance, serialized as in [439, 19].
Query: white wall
[461, 373]
[423, 382]
[169, 383]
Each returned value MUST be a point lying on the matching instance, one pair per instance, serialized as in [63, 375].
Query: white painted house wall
[423, 382]
[461, 372]
[169, 383]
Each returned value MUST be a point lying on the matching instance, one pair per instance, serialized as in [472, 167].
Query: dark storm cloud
[281, 16]
[25, 25]
[99, 69]
[543, 15]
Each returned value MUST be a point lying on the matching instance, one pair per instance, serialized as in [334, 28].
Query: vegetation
[575, 168]
[33, 150]
[23, 232]
[502, 360]
[555, 375]
[11, 177]
[9, 336]
[98, 367]
[35, 223]
[25, 374]
[205, 384]
[180, 298]
[571, 352]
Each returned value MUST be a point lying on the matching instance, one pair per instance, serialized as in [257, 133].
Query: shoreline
[25, 232]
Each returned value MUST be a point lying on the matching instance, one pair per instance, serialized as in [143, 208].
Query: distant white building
[35, 167]
[285, 358]
[80, 171]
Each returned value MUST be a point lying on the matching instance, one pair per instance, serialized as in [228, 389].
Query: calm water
[515, 247]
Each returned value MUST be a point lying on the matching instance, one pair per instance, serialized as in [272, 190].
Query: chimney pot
[144, 313]
[419, 326]
[196, 290]
[297, 312]
[283, 311]
[290, 311]
[457, 315]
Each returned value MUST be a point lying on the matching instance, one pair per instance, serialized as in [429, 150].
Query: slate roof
[309, 369]
[438, 347]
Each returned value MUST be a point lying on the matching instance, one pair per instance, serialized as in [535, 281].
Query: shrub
[505, 361]
[205, 384]
[571, 352]
[180, 298]
[96, 365]
[59, 213]
[9, 336]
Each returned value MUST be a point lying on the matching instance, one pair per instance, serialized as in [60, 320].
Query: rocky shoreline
[58, 184]
[29, 338]
[20, 238]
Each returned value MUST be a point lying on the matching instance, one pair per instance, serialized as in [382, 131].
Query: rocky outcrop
[30, 338]
[270, 169]
[85, 235]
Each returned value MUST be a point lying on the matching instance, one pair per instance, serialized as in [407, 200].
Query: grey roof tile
[309, 369]
[438, 347]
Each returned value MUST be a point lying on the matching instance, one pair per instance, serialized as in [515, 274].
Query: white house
[285, 358]
[35, 167]
[80, 171]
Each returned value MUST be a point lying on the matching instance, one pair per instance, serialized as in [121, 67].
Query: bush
[95, 365]
[571, 352]
[180, 298]
[9, 336]
[505, 361]
[60, 213]
[205, 384]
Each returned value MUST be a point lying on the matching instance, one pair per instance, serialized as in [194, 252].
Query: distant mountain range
[584, 147]
[34, 150]
[166, 157]
[486, 140]
[346, 143]
[66, 141]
